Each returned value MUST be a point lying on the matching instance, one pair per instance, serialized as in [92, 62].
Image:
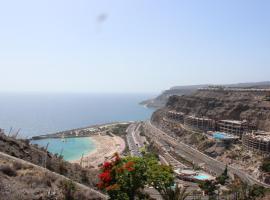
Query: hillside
[251, 106]
[23, 150]
[23, 180]
[161, 100]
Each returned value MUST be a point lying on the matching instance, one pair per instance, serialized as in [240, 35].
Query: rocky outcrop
[161, 100]
[251, 106]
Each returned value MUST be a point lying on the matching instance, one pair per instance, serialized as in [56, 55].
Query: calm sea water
[71, 148]
[36, 114]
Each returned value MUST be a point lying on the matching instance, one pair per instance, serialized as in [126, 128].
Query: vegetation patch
[8, 170]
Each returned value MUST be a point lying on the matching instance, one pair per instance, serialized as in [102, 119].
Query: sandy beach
[106, 146]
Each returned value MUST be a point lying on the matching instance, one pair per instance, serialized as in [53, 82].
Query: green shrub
[68, 189]
[265, 167]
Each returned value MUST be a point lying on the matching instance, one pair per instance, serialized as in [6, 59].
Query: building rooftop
[175, 112]
[199, 118]
[234, 121]
[260, 135]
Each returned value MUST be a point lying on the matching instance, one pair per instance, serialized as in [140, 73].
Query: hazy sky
[131, 45]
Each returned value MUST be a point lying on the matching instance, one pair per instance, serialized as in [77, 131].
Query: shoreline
[105, 147]
[106, 144]
[92, 129]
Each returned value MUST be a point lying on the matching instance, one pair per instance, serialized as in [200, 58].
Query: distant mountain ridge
[160, 100]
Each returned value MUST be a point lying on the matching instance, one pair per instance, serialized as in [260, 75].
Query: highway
[197, 157]
[135, 142]
[132, 139]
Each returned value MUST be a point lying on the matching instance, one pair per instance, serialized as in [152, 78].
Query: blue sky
[140, 46]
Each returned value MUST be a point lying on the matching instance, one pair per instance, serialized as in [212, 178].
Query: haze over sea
[37, 114]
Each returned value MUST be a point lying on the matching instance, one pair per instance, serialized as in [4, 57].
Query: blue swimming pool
[202, 177]
[219, 135]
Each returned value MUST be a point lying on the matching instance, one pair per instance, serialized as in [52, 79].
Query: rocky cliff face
[161, 100]
[251, 106]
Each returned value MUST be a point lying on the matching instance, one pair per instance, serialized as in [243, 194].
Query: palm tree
[177, 193]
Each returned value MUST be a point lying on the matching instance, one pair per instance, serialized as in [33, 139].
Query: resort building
[177, 116]
[193, 176]
[233, 127]
[257, 141]
[199, 124]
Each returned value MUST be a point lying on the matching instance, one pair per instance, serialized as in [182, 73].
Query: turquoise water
[38, 114]
[220, 136]
[72, 148]
[202, 177]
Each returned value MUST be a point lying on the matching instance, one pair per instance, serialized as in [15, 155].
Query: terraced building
[257, 141]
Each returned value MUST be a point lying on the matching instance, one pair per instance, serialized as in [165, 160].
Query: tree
[177, 193]
[256, 191]
[243, 191]
[68, 189]
[265, 167]
[159, 176]
[123, 178]
[223, 177]
[209, 187]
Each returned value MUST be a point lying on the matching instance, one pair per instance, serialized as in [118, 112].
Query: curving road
[193, 155]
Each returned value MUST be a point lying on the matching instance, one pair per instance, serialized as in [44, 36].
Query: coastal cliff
[251, 106]
[161, 100]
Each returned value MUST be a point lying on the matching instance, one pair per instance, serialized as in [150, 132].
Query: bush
[84, 176]
[8, 170]
[62, 168]
[17, 165]
[68, 189]
[265, 167]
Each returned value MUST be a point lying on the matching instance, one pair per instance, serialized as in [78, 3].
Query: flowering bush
[122, 177]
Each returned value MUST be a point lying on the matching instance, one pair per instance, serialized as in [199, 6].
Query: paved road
[196, 156]
[133, 144]
[135, 141]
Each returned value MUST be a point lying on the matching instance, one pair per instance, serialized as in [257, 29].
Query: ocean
[37, 114]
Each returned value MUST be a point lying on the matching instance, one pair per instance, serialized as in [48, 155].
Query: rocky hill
[161, 100]
[34, 173]
[251, 106]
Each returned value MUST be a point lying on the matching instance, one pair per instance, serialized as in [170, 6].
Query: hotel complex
[178, 116]
[234, 127]
[199, 124]
[258, 141]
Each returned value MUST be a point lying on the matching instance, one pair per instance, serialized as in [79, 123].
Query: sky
[131, 46]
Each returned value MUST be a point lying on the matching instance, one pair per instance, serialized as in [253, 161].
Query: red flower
[130, 169]
[129, 164]
[105, 176]
[107, 165]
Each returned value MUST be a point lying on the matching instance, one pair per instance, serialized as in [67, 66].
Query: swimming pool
[203, 177]
[221, 136]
